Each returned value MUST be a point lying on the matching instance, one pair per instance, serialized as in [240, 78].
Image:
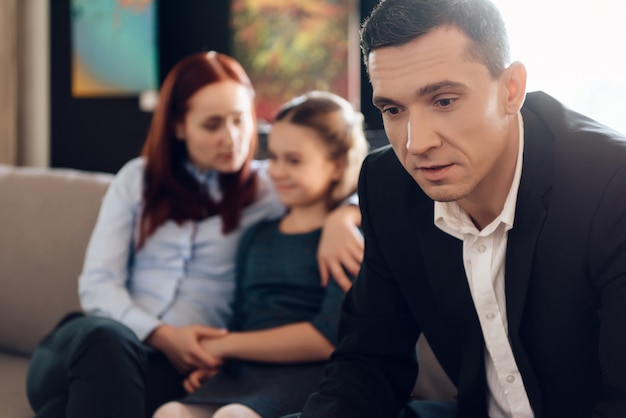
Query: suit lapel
[443, 259]
[532, 202]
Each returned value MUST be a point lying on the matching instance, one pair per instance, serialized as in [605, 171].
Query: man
[495, 225]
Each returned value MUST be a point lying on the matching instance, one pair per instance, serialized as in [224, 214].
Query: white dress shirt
[484, 256]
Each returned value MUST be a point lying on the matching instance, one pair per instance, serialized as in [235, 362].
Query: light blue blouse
[184, 274]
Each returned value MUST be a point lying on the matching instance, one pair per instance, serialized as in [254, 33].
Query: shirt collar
[452, 219]
[208, 178]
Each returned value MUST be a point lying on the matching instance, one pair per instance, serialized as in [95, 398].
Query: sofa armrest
[46, 218]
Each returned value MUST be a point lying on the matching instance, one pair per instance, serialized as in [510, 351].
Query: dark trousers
[419, 409]
[429, 409]
[96, 367]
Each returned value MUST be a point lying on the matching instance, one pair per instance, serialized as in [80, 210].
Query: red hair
[170, 191]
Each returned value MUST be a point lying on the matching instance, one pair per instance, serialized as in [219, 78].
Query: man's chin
[441, 193]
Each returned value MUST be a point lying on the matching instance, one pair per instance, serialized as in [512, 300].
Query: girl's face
[299, 165]
[218, 127]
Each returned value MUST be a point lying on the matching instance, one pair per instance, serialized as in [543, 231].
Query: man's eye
[447, 102]
[391, 111]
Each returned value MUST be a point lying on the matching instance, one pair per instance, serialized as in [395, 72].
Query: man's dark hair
[398, 22]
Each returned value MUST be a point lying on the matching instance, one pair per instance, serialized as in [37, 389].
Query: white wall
[573, 50]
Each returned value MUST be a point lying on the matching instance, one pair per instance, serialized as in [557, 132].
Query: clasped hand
[195, 378]
[182, 346]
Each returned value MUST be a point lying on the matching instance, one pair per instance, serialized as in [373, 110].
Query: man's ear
[514, 83]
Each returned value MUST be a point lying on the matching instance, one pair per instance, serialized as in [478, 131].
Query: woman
[159, 270]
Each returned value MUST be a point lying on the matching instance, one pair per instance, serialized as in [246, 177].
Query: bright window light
[574, 51]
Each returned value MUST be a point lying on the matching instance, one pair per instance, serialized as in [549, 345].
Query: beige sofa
[46, 217]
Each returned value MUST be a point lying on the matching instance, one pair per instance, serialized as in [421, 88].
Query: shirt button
[510, 378]
[490, 315]
[482, 248]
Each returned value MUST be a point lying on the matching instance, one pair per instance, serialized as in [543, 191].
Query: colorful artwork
[291, 47]
[114, 49]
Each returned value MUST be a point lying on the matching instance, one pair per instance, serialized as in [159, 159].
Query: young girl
[284, 323]
[159, 271]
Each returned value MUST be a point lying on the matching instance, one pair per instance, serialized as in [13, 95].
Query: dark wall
[101, 134]
[91, 134]
[190, 26]
[373, 120]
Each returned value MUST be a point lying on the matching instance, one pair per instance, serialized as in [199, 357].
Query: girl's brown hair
[340, 128]
[170, 191]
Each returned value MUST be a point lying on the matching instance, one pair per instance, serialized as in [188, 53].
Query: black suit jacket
[565, 283]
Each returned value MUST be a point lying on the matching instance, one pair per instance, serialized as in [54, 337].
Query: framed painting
[289, 48]
[114, 47]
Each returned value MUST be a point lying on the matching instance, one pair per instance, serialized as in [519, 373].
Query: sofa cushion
[432, 382]
[46, 218]
[13, 402]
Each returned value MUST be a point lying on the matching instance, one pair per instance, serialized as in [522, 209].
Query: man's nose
[420, 135]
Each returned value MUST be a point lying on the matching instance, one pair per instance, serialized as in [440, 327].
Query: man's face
[448, 120]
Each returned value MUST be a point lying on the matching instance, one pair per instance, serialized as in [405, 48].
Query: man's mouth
[435, 172]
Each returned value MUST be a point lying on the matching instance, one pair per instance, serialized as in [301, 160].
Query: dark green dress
[278, 283]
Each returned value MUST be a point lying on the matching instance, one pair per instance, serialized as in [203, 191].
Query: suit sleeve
[608, 270]
[373, 370]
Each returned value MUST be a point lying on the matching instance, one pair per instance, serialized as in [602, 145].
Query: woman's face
[218, 127]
